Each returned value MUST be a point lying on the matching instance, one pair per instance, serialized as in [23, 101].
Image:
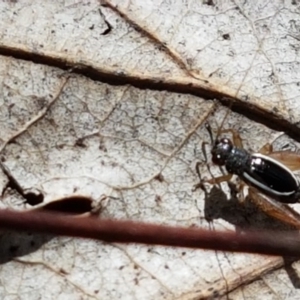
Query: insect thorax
[237, 161]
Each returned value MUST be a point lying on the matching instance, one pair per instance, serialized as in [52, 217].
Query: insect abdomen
[271, 177]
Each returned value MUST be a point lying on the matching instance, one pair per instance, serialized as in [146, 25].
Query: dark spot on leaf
[80, 143]
[108, 29]
[34, 197]
[12, 142]
[157, 199]
[102, 147]
[40, 102]
[159, 177]
[216, 293]
[62, 271]
[209, 2]
[226, 36]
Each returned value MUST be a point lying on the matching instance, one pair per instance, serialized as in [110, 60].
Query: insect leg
[203, 147]
[220, 179]
[237, 141]
[267, 149]
[198, 164]
[213, 180]
[275, 209]
[240, 194]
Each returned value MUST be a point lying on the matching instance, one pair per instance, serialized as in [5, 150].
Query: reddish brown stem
[275, 243]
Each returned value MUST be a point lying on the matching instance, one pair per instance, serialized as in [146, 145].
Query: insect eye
[225, 141]
[217, 159]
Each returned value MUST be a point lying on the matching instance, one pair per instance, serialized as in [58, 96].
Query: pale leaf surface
[78, 135]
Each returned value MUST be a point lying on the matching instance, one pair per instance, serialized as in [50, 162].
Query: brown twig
[263, 242]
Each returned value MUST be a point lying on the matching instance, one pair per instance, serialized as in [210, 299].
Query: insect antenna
[208, 128]
[223, 121]
[214, 142]
[220, 128]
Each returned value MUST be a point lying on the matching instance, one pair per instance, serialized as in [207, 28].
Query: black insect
[258, 170]
[269, 175]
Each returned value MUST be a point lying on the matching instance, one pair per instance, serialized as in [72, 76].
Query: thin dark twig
[263, 242]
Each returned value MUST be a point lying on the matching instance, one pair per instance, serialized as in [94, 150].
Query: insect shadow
[290, 270]
[244, 216]
[269, 176]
